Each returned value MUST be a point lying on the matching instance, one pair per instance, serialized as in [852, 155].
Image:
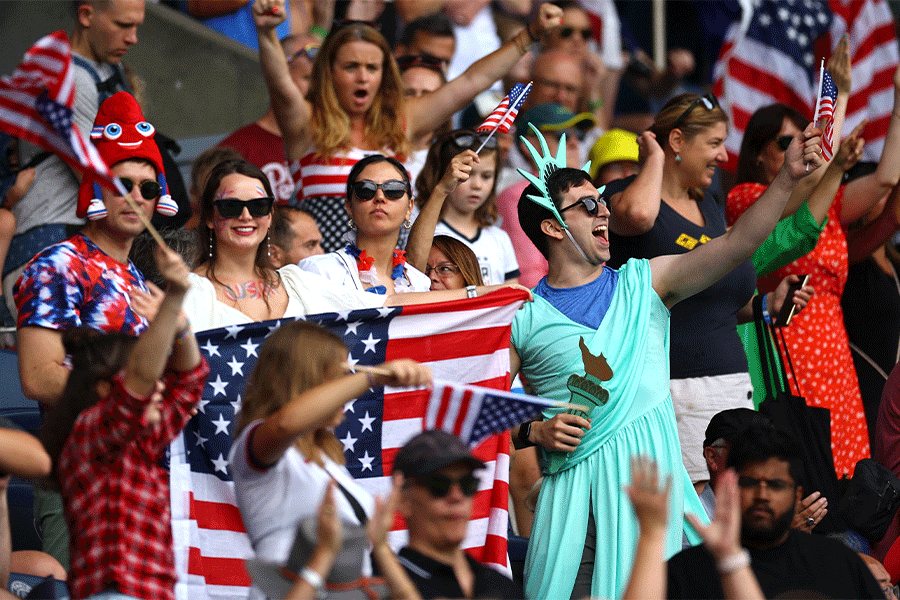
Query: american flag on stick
[502, 117]
[36, 105]
[825, 111]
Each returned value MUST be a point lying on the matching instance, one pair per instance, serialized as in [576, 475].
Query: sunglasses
[442, 270]
[708, 100]
[472, 139]
[393, 189]
[440, 485]
[784, 141]
[567, 32]
[422, 60]
[592, 205]
[339, 23]
[232, 208]
[149, 189]
[310, 51]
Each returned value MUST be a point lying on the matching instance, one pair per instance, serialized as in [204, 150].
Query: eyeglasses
[591, 204]
[393, 189]
[784, 141]
[310, 51]
[557, 86]
[708, 100]
[439, 485]
[774, 485]
[443, 270]
[232, 208]
[566, 32]
[422, 60]
[891, 591]
[149, 189]
[472, 139]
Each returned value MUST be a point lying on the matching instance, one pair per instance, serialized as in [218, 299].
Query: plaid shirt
[117, 494]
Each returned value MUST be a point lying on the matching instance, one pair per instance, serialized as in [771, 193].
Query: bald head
[880, 574]
[557, 78]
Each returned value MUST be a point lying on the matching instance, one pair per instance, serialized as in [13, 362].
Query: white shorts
[696, 400]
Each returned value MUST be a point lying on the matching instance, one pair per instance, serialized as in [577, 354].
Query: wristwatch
[525, 433]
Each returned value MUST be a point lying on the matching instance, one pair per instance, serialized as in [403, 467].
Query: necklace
[368, 273]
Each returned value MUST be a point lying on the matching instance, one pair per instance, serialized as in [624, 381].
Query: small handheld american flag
[502, 117]
[825, 111]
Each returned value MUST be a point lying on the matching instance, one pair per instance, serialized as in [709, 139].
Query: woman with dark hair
[356, 106]
[816, 339]
[452, 265]
[379, 203]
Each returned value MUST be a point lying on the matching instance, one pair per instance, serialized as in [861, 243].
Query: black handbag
[871, 499]
[810, 425]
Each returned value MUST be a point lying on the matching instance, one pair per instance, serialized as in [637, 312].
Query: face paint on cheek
[219, 222]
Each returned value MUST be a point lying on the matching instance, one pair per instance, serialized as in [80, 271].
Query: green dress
[631, 414]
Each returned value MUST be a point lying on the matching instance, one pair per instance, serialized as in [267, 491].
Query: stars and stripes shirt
[117, 494]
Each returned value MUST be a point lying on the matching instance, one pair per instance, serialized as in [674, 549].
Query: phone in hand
[789, 308]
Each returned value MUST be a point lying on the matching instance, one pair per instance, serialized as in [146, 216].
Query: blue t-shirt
[573, 301]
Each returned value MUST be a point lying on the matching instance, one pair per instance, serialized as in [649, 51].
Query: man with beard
[786, 562]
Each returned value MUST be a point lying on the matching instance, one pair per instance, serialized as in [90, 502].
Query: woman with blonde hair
[356, 106]
[286, 456]
[667, 209]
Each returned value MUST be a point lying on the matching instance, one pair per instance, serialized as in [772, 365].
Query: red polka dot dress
[816, 338]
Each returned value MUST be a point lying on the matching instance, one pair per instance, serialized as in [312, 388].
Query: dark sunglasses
[310, 51]
[149, 189]
[232, 208]
[440, 485]
[422, 60]
[708, 100]
[784, 141]
[472, 139]
[566, 32]
[393, 189]
[340, 23]
[592, 205]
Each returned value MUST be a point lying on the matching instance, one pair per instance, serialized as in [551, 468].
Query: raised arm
[305, 412]
[651, 506]
[865, 192]
[418, 246]
[633, 211]
[430, 110]
[292, 110]
[863, 241]
[679, 276]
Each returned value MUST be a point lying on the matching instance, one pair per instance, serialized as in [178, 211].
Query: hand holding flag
[824, 115]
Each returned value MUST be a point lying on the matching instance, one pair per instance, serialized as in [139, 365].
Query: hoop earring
[677, 157]
[351, 224]
[407, 224]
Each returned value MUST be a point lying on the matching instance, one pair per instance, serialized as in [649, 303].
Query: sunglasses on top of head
[149, 189]
[567, 32]
[393, 189]
[422, 60]
[708, 100]
[784, 141]
[440, 485]
[232, 208]
[310, 51]
[592, 205]
[472, 139]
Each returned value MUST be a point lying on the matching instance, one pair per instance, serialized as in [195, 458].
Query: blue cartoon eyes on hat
[113, 131]
[145, 129]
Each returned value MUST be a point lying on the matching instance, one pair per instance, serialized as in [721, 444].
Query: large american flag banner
[874, 55]
[465, 341]
[36, 105]
[766, 60]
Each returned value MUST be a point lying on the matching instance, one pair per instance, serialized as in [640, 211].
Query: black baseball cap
[728, 424]
[431, 451]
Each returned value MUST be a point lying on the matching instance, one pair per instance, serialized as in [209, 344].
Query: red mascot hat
[121, 133]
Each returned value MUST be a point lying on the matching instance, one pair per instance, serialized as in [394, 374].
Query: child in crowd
[456, 191]
[125, 401]
[286, 455]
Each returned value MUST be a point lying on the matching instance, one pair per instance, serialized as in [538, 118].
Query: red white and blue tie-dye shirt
[74, 283]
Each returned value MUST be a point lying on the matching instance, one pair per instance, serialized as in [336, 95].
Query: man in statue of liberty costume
[600, 338]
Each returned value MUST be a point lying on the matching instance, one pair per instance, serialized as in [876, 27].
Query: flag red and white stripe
[36, 106]
[502, 117]
[874, 54]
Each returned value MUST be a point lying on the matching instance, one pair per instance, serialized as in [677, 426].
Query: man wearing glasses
[439, 487]
[788, 563]
[260, 142]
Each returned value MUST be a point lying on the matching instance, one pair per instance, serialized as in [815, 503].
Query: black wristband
[524, 433]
